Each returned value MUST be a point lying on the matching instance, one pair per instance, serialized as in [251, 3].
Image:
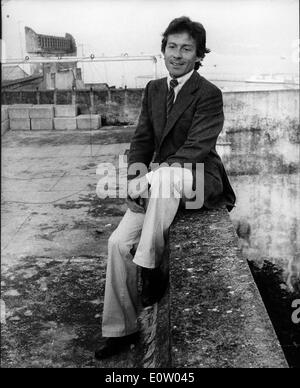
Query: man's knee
[168, 181]
[115, 242]
[160, 175]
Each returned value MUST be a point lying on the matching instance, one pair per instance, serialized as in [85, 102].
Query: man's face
[180, 54]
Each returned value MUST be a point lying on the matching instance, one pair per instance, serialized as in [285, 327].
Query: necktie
[171, 95]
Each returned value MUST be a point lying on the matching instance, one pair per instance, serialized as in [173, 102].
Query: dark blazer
[189, 135]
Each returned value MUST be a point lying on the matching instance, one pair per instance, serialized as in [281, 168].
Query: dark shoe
[113, 345]
[154, 286]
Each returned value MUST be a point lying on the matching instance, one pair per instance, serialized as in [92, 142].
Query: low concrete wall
[212, 315]
[248, 109]
[262, 132]
[154, 325]
[4, 120]
[217, 316]
[116, 106]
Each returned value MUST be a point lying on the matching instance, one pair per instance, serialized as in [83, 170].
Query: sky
[246, 37]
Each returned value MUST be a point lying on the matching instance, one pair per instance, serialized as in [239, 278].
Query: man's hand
[137, 187]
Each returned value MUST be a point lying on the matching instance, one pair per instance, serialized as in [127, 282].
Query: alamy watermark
[174, 181]
[296, 312]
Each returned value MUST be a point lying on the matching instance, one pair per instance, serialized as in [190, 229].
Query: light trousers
[146, 231]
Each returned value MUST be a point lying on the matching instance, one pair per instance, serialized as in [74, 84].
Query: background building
[14, 77]
[60, 75]
[9, 73]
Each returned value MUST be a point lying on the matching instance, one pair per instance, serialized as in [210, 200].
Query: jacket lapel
[159, 106]
[184, 98]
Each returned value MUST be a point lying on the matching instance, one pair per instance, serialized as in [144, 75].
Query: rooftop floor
[54, 246]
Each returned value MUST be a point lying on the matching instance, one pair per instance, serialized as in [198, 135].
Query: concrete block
[64, 123]
[20, 124]
[65, 110]
[88, 121]
[41, 124]
[41, 112]
[4, 126]
[19, 111]
[4, 113]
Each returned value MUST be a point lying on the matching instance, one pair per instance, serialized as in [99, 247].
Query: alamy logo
[173, 180]
[296, 313]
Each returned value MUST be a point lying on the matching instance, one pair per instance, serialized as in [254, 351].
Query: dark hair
[196, 31]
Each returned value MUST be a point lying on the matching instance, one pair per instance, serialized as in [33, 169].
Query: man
[181, 118]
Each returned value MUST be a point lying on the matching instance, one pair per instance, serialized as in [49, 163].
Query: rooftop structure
[49, 45]
[56, 75]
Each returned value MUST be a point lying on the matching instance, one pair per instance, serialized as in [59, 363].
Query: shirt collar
[181, 80]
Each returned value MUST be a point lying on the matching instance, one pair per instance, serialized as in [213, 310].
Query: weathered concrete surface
[4, 112]
[217, 316]
[65, 123]
[154, 349]
[65, 110]
[19, 124]
[19, 111]
[268, 207]
[243, 109]
[54, 247]
[261, 109]
[154, 324]
[41, 112]
[41, 124]
[4, 126]
[262, 128]
[88, 121]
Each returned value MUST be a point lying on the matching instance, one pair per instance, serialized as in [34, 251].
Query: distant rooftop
[9, 73]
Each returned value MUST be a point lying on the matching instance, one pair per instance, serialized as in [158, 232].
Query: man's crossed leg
[147, 231]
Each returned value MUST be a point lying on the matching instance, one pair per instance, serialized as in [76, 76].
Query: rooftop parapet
[213, 308]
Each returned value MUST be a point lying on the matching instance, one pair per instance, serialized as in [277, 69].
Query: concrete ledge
[4, 126]
[88, 121]
[217, 316]
[154, 325]
[41, 112]
[65, 123]
[4, 113]
[65, 110]
[41, 124]
[19, 111]
[20, 124]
